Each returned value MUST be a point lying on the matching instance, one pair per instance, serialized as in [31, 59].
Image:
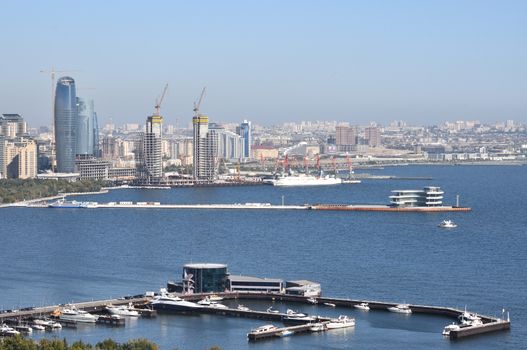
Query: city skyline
[273, 62]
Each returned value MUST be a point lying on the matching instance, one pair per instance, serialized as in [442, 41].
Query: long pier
[490, 323]
[257, 206]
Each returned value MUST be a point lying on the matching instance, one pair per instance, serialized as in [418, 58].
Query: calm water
[56, 256]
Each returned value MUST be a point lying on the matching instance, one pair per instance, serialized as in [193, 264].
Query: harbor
[488, 323]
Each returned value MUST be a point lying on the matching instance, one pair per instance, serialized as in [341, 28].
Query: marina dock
[489, 323]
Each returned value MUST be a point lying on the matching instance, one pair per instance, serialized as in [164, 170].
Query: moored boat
[401, 309]
[362, 306]
[75, 315]
[342, 322]
[447, 224]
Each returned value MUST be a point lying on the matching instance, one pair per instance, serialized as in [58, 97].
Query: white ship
[304, 180]
[72, 314]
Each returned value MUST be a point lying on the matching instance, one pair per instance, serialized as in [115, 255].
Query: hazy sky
[421, 61]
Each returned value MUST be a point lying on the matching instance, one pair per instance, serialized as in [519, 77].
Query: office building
[245, 132]
[239, 283]
[373, 135]
[85, 127]
[12, 125]
[66, 124]
[346, 138]
[92, 168]
[18, 158]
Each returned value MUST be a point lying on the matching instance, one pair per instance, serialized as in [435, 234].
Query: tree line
[15, 190]
[20, 343]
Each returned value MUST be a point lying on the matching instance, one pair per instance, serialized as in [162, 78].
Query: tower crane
[159, 101]
[198, 103]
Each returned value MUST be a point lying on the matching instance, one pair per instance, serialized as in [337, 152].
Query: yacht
[47, 324]
[341, 322]
[450, 327]
[215, 297]
[401, 308]
[5, 330]
[312, 300]
[165, 302]
[123, 310]
[211, 303]
[447, 224]
[38, 327]
[293, 317]
[25, 329]
[330, 304]
[469, 319]
[263, 329]
[72, 314]
[362, 306]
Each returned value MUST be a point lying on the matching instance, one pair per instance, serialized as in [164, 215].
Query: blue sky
[271, 61]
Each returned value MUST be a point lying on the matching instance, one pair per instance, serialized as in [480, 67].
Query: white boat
[286, 333]
[164, 302]
[304, 180]
[450, 327]
[330, 304]
[47, 324]
[318, 327]
[72, 314]
[273, 311]
[38, 327]
[215, 297]
[312, 300]
[469, 319]
[264, 329]
[25, 329]
[362, 306]
[204, 302]
[5, 330]
[401, 308]
[122, 310]
[447, 224]
[217, 305]
[290, 312]
[341, 322]
[211, 303]
[243, 308]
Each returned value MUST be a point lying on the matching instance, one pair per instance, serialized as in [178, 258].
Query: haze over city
[272, 61]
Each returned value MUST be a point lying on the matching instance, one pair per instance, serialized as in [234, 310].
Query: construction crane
[198, 104]
[159, 101]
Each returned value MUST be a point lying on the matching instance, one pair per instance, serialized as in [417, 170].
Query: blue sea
[52, 256]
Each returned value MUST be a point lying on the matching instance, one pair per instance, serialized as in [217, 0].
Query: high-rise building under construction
[152, 163]
[204, 153]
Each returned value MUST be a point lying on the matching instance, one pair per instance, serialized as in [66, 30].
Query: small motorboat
[215, 297]
[401, 309]
[286, 333]
[273, 311]
[123, 310]
[447, 224]
[362, 306]
[243, 308]
[330, 304]
[312, 300]
[318, 327]
[293, 313]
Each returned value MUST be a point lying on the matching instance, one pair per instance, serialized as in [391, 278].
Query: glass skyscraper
[85, 127]
[245, 132]
[66, 126]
